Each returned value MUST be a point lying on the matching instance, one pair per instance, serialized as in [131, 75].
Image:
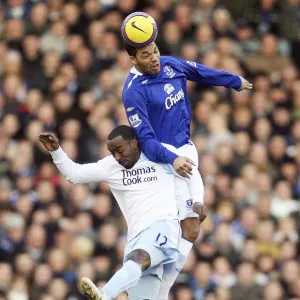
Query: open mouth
[155, 67]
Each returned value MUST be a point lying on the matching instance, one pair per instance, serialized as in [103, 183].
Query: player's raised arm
[204, 75]
[136, 110]
[73, 172]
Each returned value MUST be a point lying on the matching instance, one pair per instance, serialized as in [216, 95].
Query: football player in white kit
[145, 192]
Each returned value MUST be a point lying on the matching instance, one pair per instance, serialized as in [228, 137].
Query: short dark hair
[130, 49]
[126, 132]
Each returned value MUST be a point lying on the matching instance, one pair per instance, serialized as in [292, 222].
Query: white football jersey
[145, 193]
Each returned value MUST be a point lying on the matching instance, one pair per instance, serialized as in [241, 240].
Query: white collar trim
[133, 70]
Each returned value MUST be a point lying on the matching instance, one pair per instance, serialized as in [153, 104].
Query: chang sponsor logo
[173, 99]
[131, 177]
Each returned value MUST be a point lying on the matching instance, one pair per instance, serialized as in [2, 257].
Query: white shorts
[160, 240]
[184, 200]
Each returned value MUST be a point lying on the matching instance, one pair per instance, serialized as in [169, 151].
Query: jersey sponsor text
[134, 176]
[173, 99]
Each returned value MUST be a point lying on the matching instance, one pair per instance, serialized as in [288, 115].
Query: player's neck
[137, 158]
[138, 69]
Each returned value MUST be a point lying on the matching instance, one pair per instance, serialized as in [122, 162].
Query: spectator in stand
[62, 69]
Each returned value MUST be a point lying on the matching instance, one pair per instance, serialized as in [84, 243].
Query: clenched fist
[201, 210]
[49, 140]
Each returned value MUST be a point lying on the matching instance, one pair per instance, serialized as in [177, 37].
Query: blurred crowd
[62, 69]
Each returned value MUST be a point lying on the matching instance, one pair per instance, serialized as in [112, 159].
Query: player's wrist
[239, 83]
[171, 158]
[56, 153]
[55, 149]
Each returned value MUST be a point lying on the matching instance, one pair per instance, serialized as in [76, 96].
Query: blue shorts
[160, 241]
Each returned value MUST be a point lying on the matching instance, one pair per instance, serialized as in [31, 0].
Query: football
[139, 29]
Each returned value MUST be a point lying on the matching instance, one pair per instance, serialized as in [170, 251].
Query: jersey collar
[133, 70]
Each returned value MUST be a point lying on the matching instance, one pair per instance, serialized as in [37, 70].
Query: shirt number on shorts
[161, 239]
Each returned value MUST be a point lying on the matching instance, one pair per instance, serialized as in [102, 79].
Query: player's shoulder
[109, 161]
[128, 82]
[171, 64]
[133, 89]
[147, 162]
[133, 80]
[165, 59]
[110, 166]
[176, 62]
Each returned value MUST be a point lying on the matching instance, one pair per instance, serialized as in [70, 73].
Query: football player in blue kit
[157, 107]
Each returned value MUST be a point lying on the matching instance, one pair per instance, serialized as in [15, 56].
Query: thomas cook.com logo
[135, 176]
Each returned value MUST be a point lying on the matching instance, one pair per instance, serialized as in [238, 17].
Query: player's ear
[133, 59]
[134, 143]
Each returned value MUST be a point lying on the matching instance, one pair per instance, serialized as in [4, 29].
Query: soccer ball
[139, 29]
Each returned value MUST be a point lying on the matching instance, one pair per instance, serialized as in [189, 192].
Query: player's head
[145, 59]
[123, 145]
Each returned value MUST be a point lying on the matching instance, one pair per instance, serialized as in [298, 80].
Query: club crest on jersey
[169, 88]
[189, 203]
[135, 120]
[169, 71]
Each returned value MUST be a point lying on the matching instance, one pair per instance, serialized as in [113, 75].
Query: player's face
[126, 153]
[147, 60]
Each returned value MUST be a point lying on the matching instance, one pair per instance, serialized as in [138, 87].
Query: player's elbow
[151, 154]
[72, 179]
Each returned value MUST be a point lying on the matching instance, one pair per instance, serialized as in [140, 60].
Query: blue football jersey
[157, 106]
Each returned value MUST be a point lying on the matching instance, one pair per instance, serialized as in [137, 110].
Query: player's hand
[49, 140]
[122, 296]
[201, 210]
[182, 166]
[246, 85]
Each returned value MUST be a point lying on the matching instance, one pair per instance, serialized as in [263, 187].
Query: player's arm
[204, 75]
[136, 110]
[73, 172]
